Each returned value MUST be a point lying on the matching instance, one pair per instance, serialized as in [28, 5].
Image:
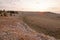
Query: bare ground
[15, 29]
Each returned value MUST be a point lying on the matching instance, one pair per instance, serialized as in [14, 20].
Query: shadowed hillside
[46, 22]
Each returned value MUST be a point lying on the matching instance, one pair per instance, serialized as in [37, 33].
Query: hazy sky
[31, 5]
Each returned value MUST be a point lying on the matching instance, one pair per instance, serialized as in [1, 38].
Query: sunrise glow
[31, 5]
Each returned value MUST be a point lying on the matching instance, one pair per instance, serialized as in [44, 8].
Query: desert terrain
[29, 25]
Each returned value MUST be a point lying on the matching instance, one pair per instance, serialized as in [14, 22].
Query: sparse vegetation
[43, 24]
[6, 13]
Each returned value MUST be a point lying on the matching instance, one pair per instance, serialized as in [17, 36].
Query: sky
[31, 5]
